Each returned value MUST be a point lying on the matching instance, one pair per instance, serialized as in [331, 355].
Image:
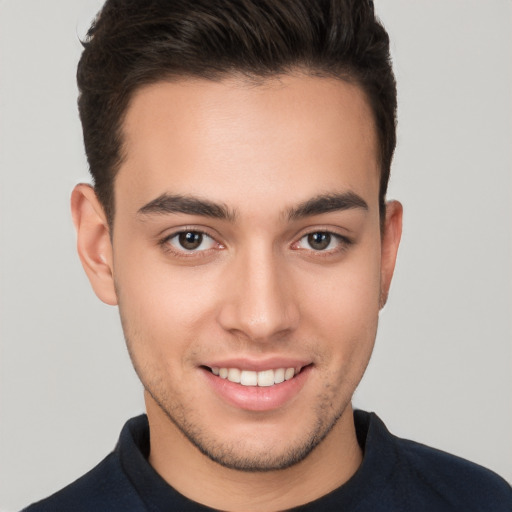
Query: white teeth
[249, 378]
[279, 376]
[264, 378]
[234, 375]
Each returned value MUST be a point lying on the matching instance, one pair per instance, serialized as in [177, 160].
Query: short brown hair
[133, 43]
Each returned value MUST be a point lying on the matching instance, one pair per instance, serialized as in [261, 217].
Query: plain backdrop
[441, 371]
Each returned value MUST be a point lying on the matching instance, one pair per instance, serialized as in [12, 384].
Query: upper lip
[258, 365]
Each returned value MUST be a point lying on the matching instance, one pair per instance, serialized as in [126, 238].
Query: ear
[93, 242]
[389, 243]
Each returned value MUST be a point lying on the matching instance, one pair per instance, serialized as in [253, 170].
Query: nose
[259, 302]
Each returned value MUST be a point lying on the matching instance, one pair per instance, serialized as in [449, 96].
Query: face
[248, 260]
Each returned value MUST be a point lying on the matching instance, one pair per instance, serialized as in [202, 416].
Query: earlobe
[390, 242]
[93, 242]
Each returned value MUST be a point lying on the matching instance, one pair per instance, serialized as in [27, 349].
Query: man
[240, 152]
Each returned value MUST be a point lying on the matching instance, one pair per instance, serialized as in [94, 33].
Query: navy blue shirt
[396, 475]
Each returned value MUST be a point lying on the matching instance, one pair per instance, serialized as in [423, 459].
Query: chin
[260, 446]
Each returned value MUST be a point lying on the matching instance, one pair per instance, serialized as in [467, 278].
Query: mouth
[250, 378]
[258, 386]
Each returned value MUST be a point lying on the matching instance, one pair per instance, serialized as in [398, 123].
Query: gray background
[441, 372]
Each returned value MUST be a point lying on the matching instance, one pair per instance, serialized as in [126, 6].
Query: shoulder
[406, 475]
[452, 480]
[105, 487]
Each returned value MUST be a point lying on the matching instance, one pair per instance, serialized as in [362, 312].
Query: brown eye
[190, 243]
[190, 240]
[319, 241]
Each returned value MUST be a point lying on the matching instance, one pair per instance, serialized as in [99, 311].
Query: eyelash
[165, 243]
[343, 243]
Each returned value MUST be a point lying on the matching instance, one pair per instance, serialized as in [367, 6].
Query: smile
[265, 378]
[257, 385]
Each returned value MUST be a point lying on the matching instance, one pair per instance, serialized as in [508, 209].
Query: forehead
[230, 138]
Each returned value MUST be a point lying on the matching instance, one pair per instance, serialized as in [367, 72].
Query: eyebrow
[170, 203]
[326, 203]
[189, 205]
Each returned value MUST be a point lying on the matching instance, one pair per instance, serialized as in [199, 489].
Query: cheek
[348, 291]
[161, 306]
[344, 307]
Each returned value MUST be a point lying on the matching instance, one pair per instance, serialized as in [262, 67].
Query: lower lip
[258, 398]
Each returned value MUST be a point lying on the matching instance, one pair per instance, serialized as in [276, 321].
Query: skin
[256, 289]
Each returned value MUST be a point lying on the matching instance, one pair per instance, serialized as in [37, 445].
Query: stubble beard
[234, 455]
[231, 455]
[327, 412]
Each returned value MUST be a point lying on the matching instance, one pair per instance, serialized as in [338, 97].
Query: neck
[182, 466]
